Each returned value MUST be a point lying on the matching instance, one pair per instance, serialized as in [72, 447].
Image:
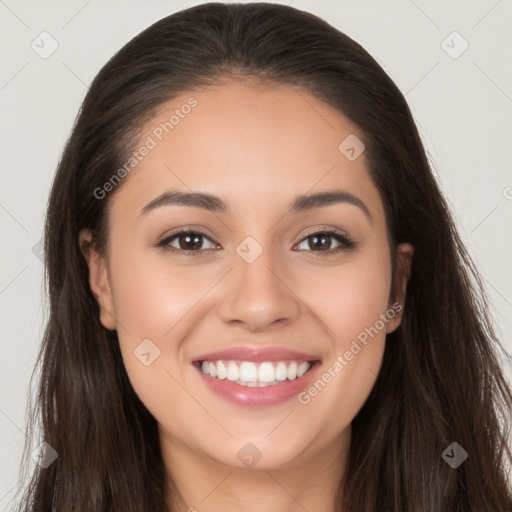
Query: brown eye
[322, 241]
[190, 242]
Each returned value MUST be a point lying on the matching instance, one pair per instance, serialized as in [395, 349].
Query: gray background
[461, 103]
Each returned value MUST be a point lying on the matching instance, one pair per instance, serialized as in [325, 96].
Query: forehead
[250, 144]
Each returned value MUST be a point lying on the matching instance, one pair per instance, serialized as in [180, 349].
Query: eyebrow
[217, 205]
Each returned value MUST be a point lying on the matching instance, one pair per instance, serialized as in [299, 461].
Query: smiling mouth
[255, 374]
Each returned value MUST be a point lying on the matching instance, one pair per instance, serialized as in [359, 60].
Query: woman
[258, 296]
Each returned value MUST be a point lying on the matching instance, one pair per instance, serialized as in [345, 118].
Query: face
[264, 276]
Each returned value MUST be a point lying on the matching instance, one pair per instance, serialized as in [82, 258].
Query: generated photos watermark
[344, 359]
[147, 146]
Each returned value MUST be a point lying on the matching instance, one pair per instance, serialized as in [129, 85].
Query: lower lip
[256, 396]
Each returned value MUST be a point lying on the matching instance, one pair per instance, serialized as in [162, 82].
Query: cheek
[154, 305]
[164, 303]
[349, 298]
[342, 386]
[352, 302]
[157, 305]
[151, 296]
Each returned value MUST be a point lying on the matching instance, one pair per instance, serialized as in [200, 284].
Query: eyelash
[346, 243]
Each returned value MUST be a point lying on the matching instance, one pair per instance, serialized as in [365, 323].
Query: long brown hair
[440, 381]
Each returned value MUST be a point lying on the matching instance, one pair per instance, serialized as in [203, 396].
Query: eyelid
[344, 239]
[165, 240]
[185, 230]
[324, 229]
[346, 242]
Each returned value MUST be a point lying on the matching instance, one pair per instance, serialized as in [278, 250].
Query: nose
[257, 295]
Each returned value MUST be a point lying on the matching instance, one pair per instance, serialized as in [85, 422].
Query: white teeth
[292, 371]
[222, 371]
[252, 374]
[266, 372]
[281, 371]
[233, 372]
[301, 370]
[248, 372]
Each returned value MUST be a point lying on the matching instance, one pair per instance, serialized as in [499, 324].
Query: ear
[98, 279]
[404, 256]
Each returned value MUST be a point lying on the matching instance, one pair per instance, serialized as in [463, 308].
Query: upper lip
[256, 354]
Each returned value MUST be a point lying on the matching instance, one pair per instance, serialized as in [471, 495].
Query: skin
[258, 148]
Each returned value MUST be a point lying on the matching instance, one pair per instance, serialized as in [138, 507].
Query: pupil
[325, 241]
[190, 242]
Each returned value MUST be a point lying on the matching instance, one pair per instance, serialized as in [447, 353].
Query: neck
[309, 482]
